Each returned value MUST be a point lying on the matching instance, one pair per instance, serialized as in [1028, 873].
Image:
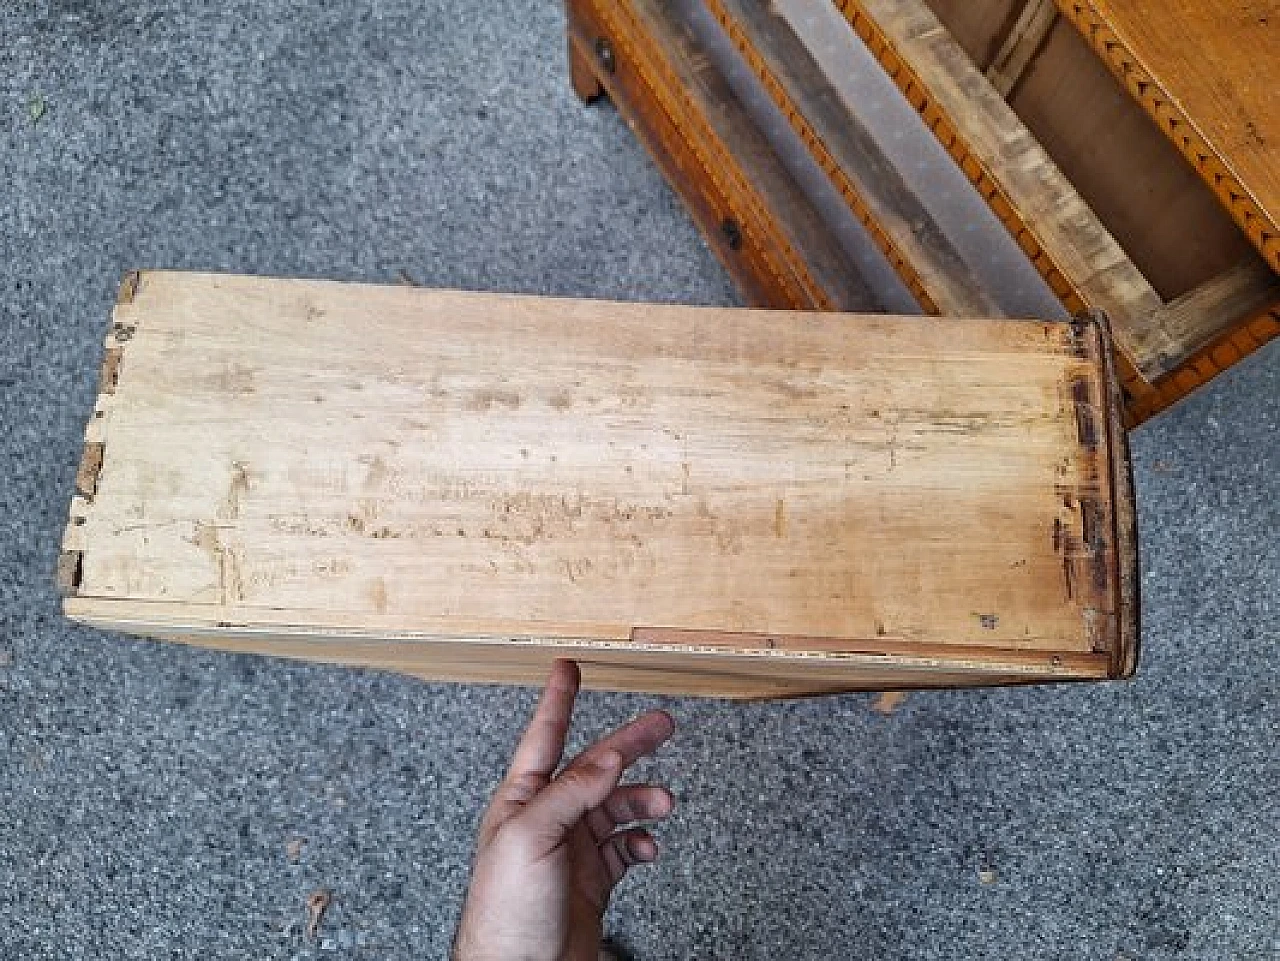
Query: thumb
[558, 807]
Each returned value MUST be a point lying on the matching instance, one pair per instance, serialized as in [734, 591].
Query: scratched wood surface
[710, 500]
[1074, 251]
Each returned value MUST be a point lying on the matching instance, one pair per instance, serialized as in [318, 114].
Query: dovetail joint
[90, 466]
[70, 571]
[129, 287]
[110, 376]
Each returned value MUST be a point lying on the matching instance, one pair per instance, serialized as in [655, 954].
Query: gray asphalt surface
[149, 793]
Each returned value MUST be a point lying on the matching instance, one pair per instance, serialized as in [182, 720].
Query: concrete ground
[151, 796]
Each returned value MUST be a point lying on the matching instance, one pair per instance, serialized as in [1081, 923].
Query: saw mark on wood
[90, 466]
[240, 485]
[230, 582]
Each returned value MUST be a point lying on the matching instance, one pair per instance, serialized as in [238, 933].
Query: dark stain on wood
[1091, 523]
[1086, 424]
[90, 465]
[1080, 325]
[70, 571]
[1092, 516]
[109, 377]
[129, 287]
[488, 399]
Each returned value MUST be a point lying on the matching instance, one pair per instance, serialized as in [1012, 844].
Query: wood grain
[1213, 309]
[875, 191]
[1172, 226]
[1207, 73]
[725, 492]
[668, 90]
[1241, 339]
[980, 26]
[1039, 206]
[945, 86]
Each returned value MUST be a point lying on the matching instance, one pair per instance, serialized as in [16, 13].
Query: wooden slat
[1207, 73]
[983, 27]
[767, 234]
[1211, 310]
[1068, 245]
[875, 190]
[1167, 220]
[1215, 357]
[979, 26]
[676, 671]
[1020, 45]
[304, 462]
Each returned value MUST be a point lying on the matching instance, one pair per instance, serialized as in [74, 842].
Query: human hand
[552, 847]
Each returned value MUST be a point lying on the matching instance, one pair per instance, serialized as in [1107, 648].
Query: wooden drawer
[1094, 193]
[715, 501]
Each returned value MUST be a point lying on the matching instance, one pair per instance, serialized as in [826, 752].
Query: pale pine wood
[707, 669]
[753, 502]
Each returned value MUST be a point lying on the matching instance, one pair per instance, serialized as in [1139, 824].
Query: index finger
[542, 745]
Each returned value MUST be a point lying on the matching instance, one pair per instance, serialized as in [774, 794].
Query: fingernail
[610, 761]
